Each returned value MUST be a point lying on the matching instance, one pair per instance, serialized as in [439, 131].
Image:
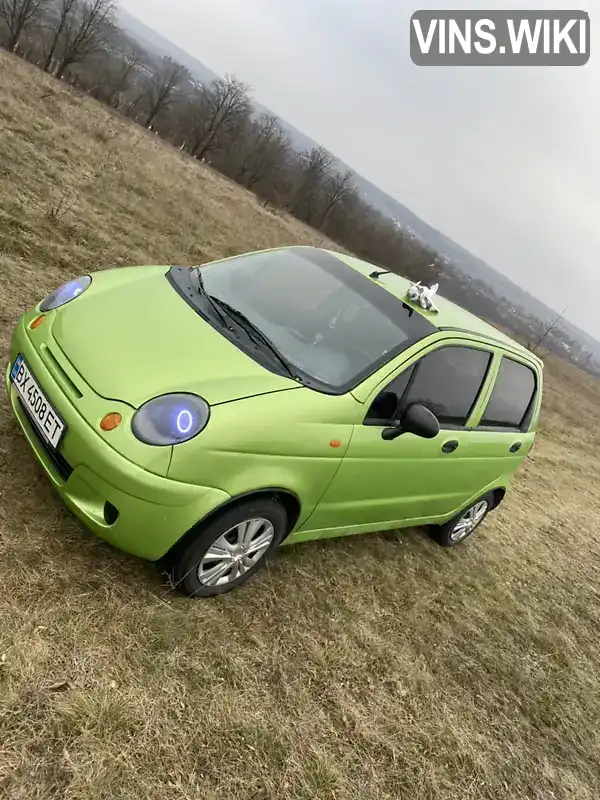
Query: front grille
[59, 462]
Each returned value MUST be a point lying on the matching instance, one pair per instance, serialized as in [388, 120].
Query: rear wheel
[230, 549]
[464, 524]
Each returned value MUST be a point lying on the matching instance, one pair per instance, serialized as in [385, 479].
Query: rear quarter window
[511, 398]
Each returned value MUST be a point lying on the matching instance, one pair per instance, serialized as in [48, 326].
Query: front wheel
[230, 549]
[464, 524]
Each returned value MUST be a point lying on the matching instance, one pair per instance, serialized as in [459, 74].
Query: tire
[465, 523]
[197, 575]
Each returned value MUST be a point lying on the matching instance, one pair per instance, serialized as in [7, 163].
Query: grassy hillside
[358, 669]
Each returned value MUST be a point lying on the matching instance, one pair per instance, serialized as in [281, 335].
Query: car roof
[449, 316]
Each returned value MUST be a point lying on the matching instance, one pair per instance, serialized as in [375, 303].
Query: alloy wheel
[235, 552]
[469, 521]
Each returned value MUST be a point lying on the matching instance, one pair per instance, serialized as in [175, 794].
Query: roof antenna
[376, 273]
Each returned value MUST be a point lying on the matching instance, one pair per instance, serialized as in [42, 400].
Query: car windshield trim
[412, 326]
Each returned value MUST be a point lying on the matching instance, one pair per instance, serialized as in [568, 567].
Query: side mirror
[418, 420]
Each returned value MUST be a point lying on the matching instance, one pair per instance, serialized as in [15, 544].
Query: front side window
[332, 323]
[447, 381]
[511, 397]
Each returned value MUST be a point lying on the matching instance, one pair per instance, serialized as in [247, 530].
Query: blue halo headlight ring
[184, 422]
[170, 419]
[65, 293]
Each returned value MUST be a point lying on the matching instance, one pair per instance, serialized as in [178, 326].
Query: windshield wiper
[257, 334]
[214, 305]
[220, 305]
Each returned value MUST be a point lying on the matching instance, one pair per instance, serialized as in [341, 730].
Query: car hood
[132, 337]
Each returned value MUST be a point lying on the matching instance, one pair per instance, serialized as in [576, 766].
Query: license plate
[38, 407]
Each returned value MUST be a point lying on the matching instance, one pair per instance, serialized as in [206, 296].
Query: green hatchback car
[201, 417]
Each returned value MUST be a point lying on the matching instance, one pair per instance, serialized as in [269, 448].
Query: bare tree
[337, 189]
[83, 28]
[18, 15]
[314, 168]
[263, 152]
[114, 81]
[213, 112]
[65, 9]
[546, 330]
[111, 74]
[157, 95]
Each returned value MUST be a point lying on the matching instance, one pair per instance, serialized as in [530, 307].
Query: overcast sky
[504, 161]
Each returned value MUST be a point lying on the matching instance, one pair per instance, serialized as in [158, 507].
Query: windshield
[333, 324]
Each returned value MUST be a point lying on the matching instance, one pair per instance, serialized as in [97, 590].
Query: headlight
[170, 419]
[65, 293]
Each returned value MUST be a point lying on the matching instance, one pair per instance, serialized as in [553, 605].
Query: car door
[504, 434]
[381, 483]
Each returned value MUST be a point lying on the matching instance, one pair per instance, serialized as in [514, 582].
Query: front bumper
[133, 509]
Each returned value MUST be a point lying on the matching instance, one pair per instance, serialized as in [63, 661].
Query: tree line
[80, 42]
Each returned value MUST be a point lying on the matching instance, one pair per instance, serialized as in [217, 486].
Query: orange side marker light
[335, 443]
[37, 322]
[111, 421]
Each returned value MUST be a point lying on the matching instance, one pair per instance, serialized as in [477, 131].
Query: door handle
[516, 446]
[449, 447]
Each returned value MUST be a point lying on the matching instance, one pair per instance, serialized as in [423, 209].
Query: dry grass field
[356, 669]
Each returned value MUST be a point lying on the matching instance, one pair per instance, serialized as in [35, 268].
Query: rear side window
[447, 381]
[512, 395]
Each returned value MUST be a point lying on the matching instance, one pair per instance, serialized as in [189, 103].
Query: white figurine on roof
[423, 295]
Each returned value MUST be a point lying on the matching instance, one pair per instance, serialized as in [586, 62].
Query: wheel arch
[497, 492]
[499, 495]
[289, 500]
